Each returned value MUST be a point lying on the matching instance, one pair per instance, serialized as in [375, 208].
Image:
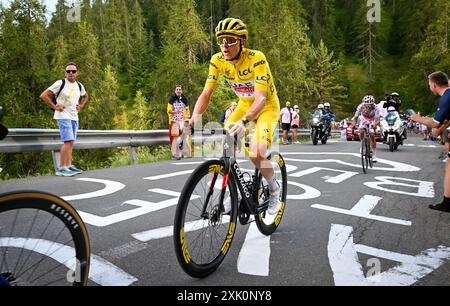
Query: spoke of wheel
[51, 270]
[46, 256]
[36, 244]
[50, 283]
[5, 253]
[25, 242]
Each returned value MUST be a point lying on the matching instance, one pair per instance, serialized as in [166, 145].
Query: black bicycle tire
[269, 229]
[363, 155]
[67, 214]
[182, 253]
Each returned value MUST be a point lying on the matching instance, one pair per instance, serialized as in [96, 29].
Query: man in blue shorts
[66, 93]
[439, 85]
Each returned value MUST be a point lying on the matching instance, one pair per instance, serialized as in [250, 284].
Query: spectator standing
[176, 110]
[295, 124]
[286, 119]
[439, 85]
[64, 97]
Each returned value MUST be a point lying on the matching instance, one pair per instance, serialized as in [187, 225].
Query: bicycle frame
[231, 167]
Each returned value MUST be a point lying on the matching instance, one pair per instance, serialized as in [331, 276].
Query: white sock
[273, 184]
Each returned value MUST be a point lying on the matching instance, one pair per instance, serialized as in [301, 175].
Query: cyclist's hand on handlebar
[238, 128]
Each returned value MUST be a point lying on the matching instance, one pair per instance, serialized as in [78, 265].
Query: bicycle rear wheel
[43, 241]
[266, 223]
[202, 231]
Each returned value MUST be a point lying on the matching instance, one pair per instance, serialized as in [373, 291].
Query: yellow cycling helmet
[233, 27]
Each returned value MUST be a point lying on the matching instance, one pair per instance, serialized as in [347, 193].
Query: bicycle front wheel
[43, 241]
[364, 160]
[266, 223]
[203, 231]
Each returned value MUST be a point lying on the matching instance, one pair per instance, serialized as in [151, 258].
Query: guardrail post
[133, 155]
[56, 156]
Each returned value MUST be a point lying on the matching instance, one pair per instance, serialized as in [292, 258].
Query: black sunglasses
[71, 71]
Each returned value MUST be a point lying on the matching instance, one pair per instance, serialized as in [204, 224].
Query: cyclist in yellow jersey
[248, 73]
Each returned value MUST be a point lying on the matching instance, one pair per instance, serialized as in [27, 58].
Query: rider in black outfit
[393, 99]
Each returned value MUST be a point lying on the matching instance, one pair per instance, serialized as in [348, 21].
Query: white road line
[167, 231]
[144, 207]
[101, 272]
[110, 188]
[254, 256]
[168, 175]
[396, 166]
[333, 180]
[310, 192]
[348, 271]
[363, 209]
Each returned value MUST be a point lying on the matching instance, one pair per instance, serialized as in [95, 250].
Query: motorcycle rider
[393, 100]
[328, 115]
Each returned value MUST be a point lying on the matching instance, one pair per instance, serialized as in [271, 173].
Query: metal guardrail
[45, 140]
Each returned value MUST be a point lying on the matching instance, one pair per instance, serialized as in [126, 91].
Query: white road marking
[363, 209]
[101, 272]
[396, 166]
[333, 180]
[145, 207]
[167, 231]
[254, 256]
[424, 189]
[310, 192]
[110, 188]
[168, 175]
[347, 271]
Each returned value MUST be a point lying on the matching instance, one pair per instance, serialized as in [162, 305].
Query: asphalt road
[341, 227]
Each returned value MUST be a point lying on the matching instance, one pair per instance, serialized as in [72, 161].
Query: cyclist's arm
[202, 104]
[257, 106]
[205, 97]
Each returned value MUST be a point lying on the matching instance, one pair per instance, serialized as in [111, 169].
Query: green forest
[132, 53]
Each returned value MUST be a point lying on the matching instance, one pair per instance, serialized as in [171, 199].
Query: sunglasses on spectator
[71, 71]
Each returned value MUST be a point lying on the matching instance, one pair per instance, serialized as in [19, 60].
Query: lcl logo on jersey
[245, 72]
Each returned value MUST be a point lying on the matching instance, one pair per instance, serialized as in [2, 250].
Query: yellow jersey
[249, 74]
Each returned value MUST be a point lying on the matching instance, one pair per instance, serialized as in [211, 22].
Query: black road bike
[203, 232]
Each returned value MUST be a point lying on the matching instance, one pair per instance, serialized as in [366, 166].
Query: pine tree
[84, 53]
[286, 46]
[23, 43]
[58, 24]
[139, 113]
[433, 55]
[321, 18]
[23, 57]
[105, 100]
[141, 57]
[60, 57]
[324, 73]
[183, 42]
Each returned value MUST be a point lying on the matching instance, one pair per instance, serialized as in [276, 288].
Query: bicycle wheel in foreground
[266, 223]
[202, 233]
[43, 241]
